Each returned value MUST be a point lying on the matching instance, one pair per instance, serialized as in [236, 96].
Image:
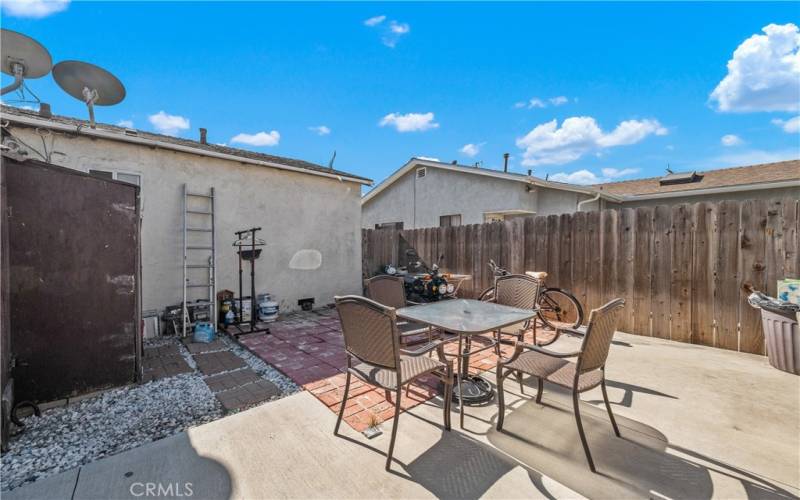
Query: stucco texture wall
[419, 202]
[295, 211]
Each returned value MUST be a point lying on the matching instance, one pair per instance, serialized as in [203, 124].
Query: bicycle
[558, 308]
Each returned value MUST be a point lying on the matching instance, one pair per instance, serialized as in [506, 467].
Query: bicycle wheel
[559, 308]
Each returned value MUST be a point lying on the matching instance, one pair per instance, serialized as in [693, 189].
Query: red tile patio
[308, 347]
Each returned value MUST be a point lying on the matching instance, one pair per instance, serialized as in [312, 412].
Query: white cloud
[578, 177]
[33, 8]
[320, 130]
[258, 139]
[790, 126]
[409, 122]
[374, 21]
[536, 102]
[471, 149]
[394, 32]
[585, 177]
[614, 173]
[125, 123]
[751, 157]
[549, 144]
[168, 124]
[731, 140]
[764, 74]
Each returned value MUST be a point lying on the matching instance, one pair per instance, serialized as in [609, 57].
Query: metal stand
[246, 241]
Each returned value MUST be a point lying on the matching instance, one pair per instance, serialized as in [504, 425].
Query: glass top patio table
[465, 316]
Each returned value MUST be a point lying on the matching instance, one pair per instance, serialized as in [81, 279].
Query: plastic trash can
[782, 337]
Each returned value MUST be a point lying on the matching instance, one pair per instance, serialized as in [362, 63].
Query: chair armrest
[412, 303]
[554, 354]
[423, 349]
[575, 331]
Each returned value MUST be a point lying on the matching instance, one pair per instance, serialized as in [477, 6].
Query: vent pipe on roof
[454, 162]
[44, 110]
[505, 162]
[203, 136]
[530, 172]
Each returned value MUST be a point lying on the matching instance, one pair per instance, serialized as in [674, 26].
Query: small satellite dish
[22, 57]
[89, 83]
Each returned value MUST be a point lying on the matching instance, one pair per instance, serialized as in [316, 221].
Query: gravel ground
[119, 420]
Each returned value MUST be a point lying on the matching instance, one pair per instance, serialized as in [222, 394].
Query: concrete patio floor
[696, 422]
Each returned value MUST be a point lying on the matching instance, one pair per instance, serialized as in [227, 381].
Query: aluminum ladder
[193, 248]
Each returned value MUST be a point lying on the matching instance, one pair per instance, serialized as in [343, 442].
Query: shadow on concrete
[629, 390]
[168, 468]
[545, 438]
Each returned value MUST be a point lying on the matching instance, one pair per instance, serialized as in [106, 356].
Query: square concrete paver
[216, 362]
[201, 347]
[230, 380]
[246, 395]
[155, 368]
[164, 350]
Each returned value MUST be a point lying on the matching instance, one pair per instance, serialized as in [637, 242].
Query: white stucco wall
[419, 202]
[295, 211]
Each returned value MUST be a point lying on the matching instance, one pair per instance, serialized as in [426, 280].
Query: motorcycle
[423, 283]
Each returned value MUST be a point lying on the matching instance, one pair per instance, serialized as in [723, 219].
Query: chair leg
[448, 398]
[576, 403]
[387, 395]
[540, 383]
[394, 427]
[519, 379]
[608, 407]
[344, 402]
[501, 400]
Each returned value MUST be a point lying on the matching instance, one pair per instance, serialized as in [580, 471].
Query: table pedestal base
[477, 390]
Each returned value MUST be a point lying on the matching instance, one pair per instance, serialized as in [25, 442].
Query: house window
[450, 220]
[493, 217]
[389, 225]
[130, 178]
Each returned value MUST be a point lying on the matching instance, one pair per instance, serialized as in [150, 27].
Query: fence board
[643, 273]
[679, 268]
[579, 252]
[726, 299]
[593, 285]
[681, 275]
[662, 261]
[752, 270]
[625, 265]
[704, 265]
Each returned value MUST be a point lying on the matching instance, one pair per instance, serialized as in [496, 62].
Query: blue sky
[579, 92]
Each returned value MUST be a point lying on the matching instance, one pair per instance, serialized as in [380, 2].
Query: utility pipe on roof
[580, 203]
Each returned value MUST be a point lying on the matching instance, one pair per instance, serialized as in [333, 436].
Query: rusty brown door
[73, 257]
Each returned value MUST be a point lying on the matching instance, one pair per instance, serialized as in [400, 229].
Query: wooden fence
[679, 268]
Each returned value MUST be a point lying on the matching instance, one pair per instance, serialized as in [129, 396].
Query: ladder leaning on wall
[198, 218]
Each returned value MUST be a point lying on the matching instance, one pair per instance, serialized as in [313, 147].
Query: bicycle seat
[539, 275]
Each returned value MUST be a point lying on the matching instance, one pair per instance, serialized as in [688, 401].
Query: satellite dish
[89, 83]
[22, 57]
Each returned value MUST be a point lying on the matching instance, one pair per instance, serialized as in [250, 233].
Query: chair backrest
[599, 334]
[387, 290]
[517, 290]
[370, 331]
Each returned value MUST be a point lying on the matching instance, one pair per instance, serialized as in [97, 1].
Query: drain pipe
[580, 203]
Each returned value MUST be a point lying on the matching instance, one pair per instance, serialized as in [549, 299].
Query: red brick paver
[309, 348]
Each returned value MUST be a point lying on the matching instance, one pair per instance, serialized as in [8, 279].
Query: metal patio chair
[586, 373]
[520, 291]
[391, 291]
[371, 338]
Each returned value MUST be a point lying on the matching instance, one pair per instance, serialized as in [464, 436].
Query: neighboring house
[425, 193]
[310, 215]
[764, 181]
